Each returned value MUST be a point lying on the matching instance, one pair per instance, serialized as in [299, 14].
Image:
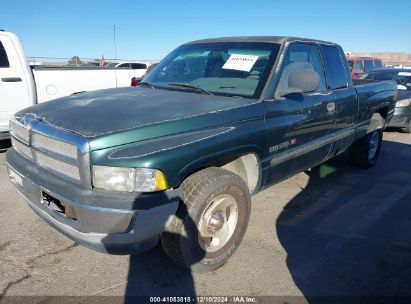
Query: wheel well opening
[245, 166]
[383, 112]
[377, 122]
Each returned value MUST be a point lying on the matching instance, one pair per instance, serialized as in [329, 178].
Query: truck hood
[106, 113]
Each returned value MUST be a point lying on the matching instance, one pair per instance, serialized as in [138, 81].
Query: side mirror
[301, 81]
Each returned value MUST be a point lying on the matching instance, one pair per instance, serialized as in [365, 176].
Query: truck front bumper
[401, 118]
[105, 221]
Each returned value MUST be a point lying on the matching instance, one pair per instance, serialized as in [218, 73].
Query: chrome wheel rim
[373, 146]
[217, 223]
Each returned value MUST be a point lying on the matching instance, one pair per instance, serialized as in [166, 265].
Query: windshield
[226, 68]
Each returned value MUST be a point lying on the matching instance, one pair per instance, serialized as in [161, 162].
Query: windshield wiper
[146, 84]
[190, 86]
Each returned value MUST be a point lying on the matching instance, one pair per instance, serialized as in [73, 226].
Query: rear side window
[368, 65]
[377, 64]
[334, 67]
[4, 61]
[138, 66]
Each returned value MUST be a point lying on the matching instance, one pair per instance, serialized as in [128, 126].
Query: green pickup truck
[178, 157]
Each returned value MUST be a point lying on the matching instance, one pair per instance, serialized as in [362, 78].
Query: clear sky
[152, 28]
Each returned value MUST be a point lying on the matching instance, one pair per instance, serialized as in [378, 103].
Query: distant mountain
[389, 58]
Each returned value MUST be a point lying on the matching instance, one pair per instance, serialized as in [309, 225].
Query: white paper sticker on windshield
[404, 74]
[240, 62]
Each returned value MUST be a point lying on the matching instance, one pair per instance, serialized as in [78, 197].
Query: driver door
[299, 125]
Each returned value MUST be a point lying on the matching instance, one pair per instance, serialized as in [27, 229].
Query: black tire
[181, 239]
[360, 150]
[407, 129]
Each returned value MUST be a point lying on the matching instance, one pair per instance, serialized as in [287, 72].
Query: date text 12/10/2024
[204, 299]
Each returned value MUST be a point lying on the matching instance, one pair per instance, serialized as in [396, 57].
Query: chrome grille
[22, 148]
[59, 151]
[58, 166]
[54, 146]
[20, 131]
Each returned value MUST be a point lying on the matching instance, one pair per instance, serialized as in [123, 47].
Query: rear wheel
[365, 152]
[210, 222]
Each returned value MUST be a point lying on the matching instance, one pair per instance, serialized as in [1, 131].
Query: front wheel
[365, 152]
[210, 222]
[407, 129]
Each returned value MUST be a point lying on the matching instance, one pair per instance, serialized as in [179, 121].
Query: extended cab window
[301, 56]
[4, 61]
[368, 65]
[221, 68]
[334, 67]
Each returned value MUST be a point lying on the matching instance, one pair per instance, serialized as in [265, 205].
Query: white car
[21, 86]
[128, 65]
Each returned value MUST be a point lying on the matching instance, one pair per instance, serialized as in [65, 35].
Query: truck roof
[363, 58]
[266, 39]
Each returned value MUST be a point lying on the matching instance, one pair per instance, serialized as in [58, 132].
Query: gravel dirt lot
[336, 230]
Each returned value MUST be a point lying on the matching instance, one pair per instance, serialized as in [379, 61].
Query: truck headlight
[128, 179]
[403, 103]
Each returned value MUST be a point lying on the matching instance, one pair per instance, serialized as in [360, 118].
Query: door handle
[11, 79]
[330, 107]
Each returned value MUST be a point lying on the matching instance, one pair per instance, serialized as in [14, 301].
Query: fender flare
[377, 122]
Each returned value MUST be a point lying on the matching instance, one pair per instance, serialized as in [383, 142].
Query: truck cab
[178, 158]
[362, 65]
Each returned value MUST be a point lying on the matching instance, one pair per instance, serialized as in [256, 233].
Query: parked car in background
[402, 114]
[22, 86]
[361, 65]
[128, 65]
[92, 63]
[178, 157]
[136, 80]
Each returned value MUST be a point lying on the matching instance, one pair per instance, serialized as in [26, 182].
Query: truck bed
[372, 96]
[54, 82]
